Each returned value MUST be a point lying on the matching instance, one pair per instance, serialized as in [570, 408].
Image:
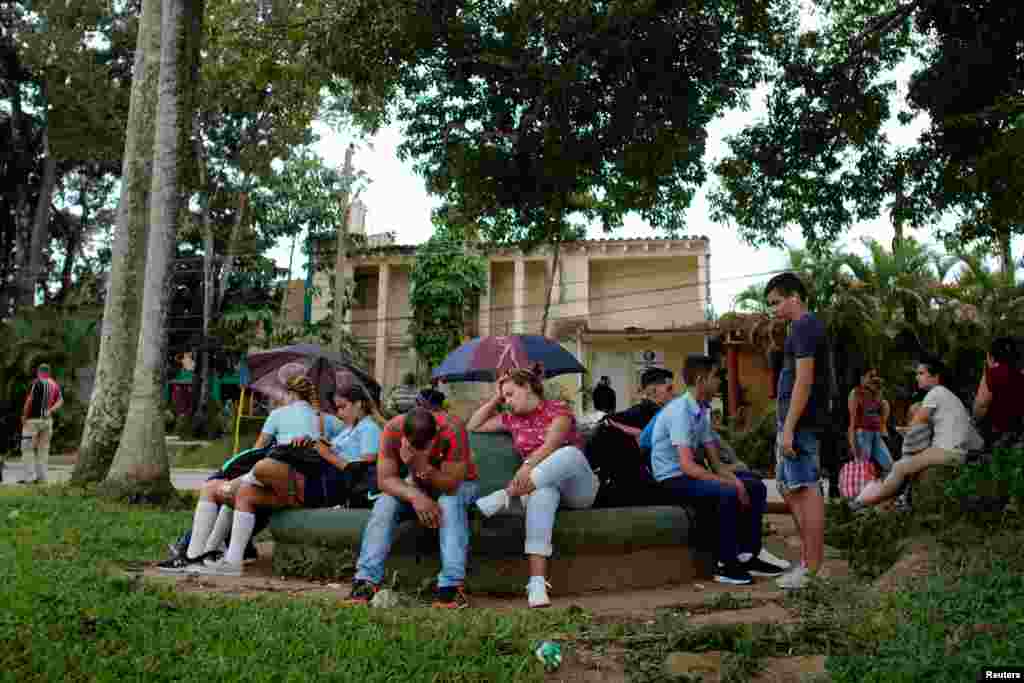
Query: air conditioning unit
[649, 358]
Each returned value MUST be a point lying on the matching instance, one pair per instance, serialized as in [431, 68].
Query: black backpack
[622, 467]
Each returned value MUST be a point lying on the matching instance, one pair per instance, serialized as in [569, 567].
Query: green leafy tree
[445, 285]
[528, 117]
[822, 160]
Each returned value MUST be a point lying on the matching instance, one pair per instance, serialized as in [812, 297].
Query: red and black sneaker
[450, 597]
[362, 592]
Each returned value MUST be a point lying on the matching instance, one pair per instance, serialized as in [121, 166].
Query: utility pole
[341, 256]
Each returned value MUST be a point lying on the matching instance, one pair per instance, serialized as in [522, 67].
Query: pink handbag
[854, 475]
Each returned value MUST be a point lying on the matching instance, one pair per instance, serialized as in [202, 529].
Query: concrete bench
[611, 548]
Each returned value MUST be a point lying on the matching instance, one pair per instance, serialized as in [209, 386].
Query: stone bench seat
[610, 548]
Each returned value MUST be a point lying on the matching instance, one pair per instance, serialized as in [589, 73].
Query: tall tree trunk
[1006, 264]
[140, 468]
[119, 337]
[75, 239]
[41, 222]
[341, 257]
[201, 393]
[551, 286]
[24, 288]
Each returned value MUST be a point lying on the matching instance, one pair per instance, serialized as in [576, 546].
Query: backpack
[622, 468]
[37, 407]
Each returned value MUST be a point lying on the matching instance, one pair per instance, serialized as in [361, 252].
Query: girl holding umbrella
[554, 470]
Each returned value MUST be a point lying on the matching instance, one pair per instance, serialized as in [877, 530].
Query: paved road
[182, 479]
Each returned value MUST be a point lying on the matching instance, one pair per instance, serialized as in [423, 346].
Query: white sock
[202, 524]
[241, 532]
[250, 478]
[220, 528]
[744, 557]
[538, 579]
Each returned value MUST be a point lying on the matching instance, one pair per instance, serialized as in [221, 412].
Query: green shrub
[754, 446]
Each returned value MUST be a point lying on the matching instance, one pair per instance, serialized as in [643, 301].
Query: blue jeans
[388, 511]
[871, 446]
[739, 530]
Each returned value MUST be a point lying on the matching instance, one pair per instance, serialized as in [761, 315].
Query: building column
[580, 399]
[380, 362]
[519, 297]
[484, 319]
[348, 276]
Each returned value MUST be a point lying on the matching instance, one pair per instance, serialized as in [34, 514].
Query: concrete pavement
[182, 479]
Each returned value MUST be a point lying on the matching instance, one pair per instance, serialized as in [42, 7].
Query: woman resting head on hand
[554, 470]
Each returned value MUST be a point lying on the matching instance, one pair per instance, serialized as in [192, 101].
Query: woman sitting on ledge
[298, 419]
[554, 469]
[952, 435]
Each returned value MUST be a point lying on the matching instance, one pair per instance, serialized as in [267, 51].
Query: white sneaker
[794, 580]
[766, 556]
[217, 568]
[494, 503]
[537, 592]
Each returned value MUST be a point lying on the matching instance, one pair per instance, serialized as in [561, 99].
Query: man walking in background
[43, 400]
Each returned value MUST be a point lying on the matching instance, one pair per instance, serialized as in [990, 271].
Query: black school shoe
[758, 567]
[362, 592]
[180, 564]
[732, 573]
[450, 597]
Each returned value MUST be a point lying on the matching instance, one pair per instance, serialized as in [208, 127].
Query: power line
[621, 295]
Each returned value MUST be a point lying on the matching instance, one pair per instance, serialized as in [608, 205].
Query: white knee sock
[241, 532]
[202, 524]
[220, 528]
[250, 478]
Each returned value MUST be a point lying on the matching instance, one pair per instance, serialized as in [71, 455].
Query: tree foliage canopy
[445, 282]
[822, 159]
[522, 114]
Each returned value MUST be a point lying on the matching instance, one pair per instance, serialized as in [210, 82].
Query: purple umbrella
[484, 358]
[268, 371]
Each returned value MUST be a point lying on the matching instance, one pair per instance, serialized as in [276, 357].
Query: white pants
[564, 477]
[35, 448]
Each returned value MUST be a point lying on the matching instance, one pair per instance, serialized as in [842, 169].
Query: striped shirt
[450, 443]
[47, 397]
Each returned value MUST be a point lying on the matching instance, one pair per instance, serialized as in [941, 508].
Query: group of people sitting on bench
[419, 466]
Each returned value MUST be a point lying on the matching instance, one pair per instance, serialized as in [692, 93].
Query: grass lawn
[968, 614]
[71, 613]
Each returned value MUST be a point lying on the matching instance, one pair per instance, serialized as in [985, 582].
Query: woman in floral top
[554, 469]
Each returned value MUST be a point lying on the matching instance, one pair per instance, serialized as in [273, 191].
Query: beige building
[620, 305]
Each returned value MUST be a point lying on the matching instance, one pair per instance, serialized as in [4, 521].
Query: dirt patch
[583, 664]
[915, 564]
[764, 614]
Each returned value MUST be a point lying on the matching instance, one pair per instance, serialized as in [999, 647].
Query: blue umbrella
[484, 358]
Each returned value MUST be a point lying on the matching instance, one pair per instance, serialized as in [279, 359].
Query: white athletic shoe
[537, 592]
[766, 556]
[217, 568]
[494, 503]
[794, 580]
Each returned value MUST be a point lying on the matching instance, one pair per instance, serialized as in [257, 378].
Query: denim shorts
[801, 470]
